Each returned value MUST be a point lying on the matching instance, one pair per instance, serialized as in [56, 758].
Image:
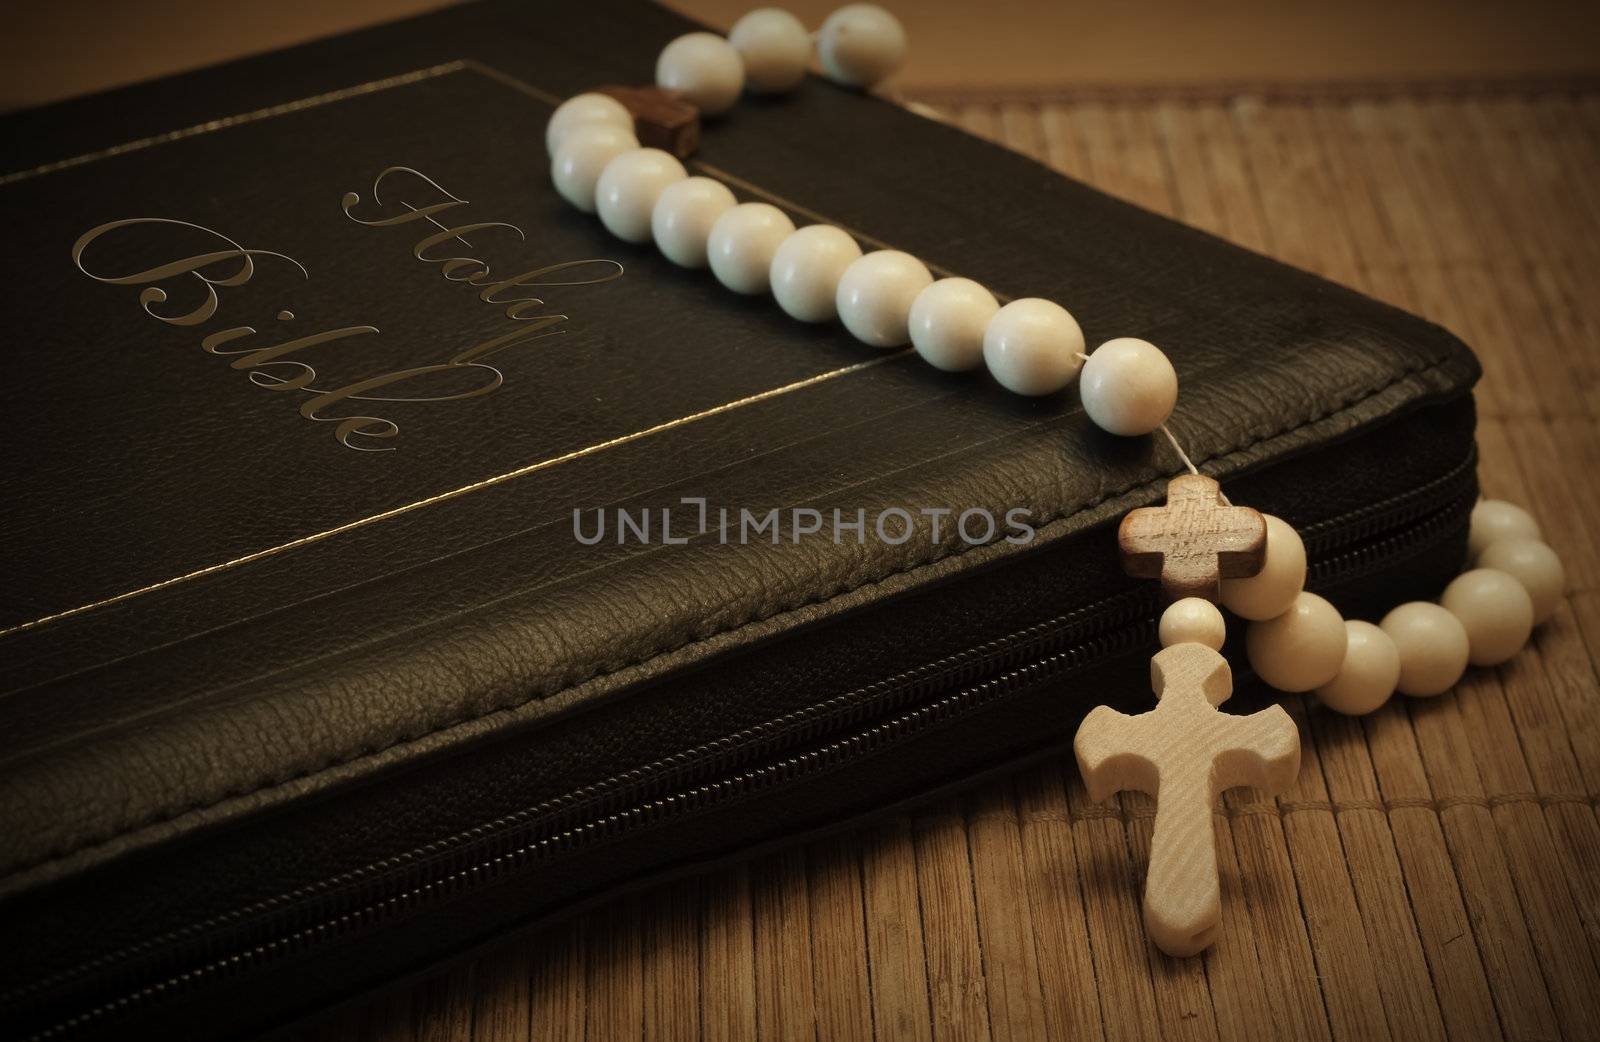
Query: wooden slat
[560, 996]
[899, 973]
[1434, 888]
[1432, 875]
[727, 959]
[953, 953]
[1110, 880]
[613, 997]
[443, 1007]
[502, 995]
[671, 954]
[389, 1019]
[1068, 990]
[785, 998]
[1005, 929]
[1499, 919]
[839, 976]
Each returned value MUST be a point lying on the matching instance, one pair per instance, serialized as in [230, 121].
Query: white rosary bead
[1301, 649]
[1496, 612]
[860, 45]
[1032, 346]
[583, 109]
[1368, 675]
[582, 155]
[1535, 566]
[1192, 620]
[947, 322]
[683, 215]
[875, 295]
[626, 194]
[1269, 592]
[743, 242]
[806, 270]
[775, 47]
[706, 68]
[1494, 520]
[1128, 387]
[1433, 648]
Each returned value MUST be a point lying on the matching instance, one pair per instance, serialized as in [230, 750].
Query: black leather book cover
[308, 368]
[260, 415]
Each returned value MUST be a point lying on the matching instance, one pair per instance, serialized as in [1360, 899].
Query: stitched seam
[364, 752]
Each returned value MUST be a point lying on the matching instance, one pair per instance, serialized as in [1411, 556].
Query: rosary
[1204, 550]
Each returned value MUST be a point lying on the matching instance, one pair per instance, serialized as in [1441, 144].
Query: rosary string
[1176, 447]
[1187, 462]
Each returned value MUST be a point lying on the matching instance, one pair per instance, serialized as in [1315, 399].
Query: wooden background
[1436, 871]
[54, 48]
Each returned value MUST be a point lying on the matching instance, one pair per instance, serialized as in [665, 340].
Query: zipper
[802, 743]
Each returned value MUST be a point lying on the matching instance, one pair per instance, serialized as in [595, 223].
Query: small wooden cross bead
[1184, 752]
[1194, 542]
[662, 118]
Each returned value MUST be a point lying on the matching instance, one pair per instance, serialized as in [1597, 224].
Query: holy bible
[394, 559]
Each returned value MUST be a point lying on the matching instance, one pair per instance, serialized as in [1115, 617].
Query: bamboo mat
[1436, 871]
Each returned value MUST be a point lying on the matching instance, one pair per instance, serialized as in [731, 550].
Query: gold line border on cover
[373, 87]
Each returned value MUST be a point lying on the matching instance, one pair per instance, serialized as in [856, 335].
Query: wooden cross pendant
[1193, 542]
[1184, 752]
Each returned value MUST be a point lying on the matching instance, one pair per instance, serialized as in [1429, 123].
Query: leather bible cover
[294, 612]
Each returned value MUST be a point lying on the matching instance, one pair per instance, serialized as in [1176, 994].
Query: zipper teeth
[653, 812]
[601, 800]
[1354, 565]
[1435, 496]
